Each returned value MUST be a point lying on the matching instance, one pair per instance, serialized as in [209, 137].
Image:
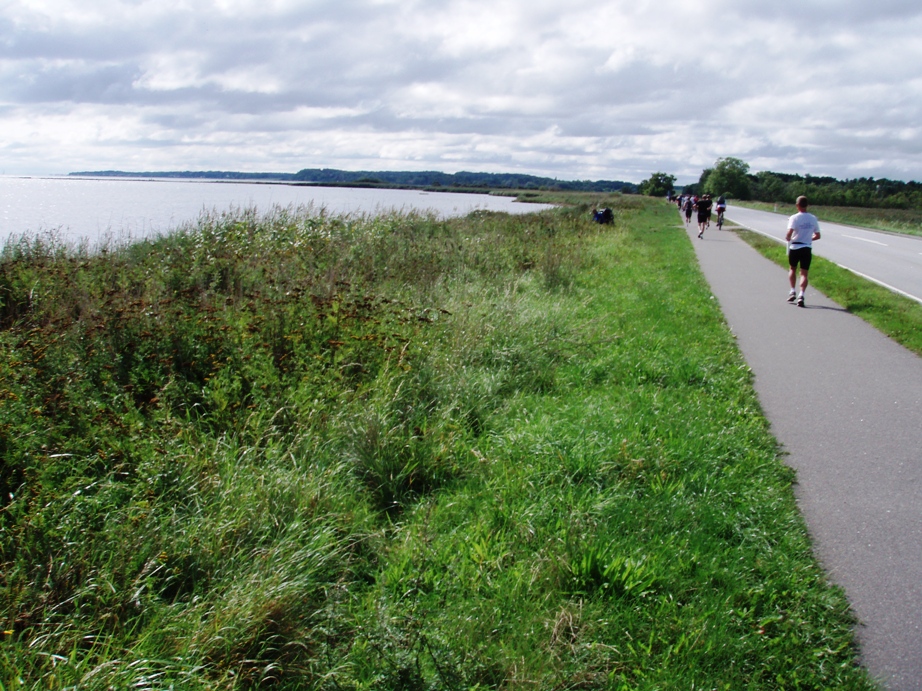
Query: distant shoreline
[432, 181]
[81, 207]
[144, 177]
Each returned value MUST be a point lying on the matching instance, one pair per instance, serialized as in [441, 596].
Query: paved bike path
[845, 402]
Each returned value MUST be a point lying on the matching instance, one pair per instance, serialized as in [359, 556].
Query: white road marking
[853, 237]
[881, 283]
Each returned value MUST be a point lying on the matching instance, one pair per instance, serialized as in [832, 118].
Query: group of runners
[703, 206]
[803, 229]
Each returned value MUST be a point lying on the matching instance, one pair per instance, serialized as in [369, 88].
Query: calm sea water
[98, 208]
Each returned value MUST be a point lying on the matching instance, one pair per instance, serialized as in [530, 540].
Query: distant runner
[803, 229]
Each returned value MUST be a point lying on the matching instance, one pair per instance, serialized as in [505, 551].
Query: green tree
[658, 185]
[729, 177]
[771, 187]
[703, 180]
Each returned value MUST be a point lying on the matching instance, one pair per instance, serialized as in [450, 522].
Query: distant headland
[448, 182]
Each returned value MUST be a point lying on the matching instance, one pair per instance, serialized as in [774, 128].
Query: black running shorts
[802, 256]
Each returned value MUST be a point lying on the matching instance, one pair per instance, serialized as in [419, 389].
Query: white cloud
[584, 89]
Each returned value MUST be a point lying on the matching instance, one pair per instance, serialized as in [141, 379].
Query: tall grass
[394, 453]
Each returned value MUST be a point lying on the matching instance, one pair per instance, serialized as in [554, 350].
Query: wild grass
[580, 200]
[394, 452]
[905, 221]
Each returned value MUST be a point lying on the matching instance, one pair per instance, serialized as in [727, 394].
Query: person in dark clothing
[704, 213]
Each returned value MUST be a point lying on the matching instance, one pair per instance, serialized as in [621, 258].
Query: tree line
[731, 177]
[463, 179]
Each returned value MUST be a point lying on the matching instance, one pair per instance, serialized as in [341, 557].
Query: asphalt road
[845, 402]
[894, 261]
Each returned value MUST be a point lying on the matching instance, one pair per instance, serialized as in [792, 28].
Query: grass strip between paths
[396, 453]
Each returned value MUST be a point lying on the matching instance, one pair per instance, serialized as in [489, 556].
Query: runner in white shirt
[803, 229]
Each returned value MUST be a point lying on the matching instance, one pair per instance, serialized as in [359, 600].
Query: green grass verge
[395, 453]
[906, 221]
[898, 317]
[580, 200]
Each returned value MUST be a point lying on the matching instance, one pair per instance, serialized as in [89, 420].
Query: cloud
[589, 88]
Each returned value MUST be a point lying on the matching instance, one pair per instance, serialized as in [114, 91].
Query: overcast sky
[574, 89]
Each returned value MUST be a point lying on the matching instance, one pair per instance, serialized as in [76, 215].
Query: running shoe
[800, 301]
[792, 297]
